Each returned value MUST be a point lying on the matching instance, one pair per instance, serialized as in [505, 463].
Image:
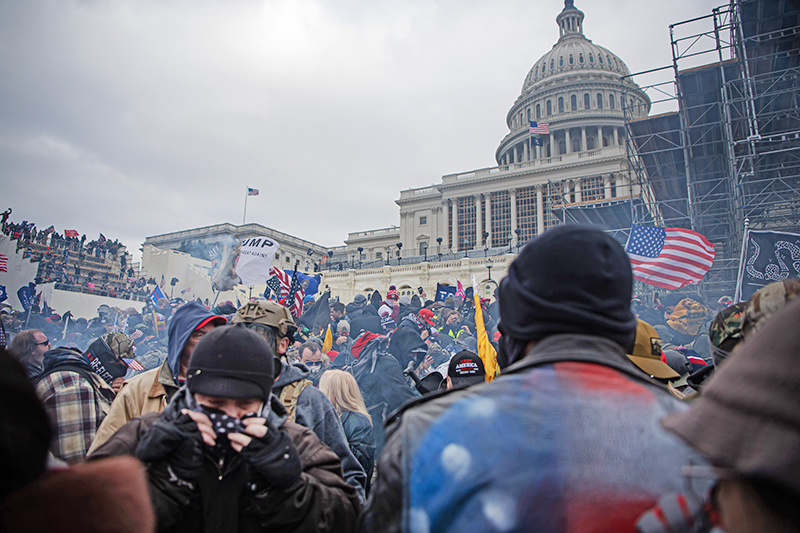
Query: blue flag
[3, 295]
[157, 295]
[26, 296]
[443, 291]
[310, 284]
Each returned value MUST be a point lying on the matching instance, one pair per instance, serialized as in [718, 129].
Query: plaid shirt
[75, 412]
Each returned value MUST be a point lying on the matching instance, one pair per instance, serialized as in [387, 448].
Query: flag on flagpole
[252, 192]
[539, 128]
[486, 351]
[327, 344]
[460, 290]
[70, 233]
[163, 281]
[295, 305]
[3, 263]
[669, 258]
[102, 239]
[157, 295]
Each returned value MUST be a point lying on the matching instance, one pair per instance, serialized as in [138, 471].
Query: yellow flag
[328, 343]
[486, 351]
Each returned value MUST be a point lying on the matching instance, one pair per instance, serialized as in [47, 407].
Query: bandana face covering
[223, 425]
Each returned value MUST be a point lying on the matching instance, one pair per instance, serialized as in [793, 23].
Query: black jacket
[358, 430]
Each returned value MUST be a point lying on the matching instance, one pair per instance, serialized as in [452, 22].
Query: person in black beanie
[566, 436]
[571, 279]
[223, 456]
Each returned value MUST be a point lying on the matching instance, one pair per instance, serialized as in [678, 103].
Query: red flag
[70, 233]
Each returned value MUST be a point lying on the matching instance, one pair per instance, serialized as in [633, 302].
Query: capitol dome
[577, 84]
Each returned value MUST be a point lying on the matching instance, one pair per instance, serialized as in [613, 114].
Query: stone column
[538, 152]
[478, 222]
[408, 242]
[552, 144]
[539, 210]
[512, 192]
[526, 150]
[568, 140]
[599, 137]
[583, 138]
[456, 243]
[515, 154]
[616, 136]
[578, 190]
[443, 223]
[488, 224]
[607, 188]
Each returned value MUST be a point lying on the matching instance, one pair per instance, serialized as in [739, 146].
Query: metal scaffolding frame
[731, 151]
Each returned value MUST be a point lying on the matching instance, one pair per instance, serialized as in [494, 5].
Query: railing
[442, 260]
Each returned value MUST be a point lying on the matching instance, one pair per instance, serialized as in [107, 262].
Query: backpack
[290, 394]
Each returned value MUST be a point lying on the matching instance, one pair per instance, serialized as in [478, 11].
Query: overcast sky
[135, 118]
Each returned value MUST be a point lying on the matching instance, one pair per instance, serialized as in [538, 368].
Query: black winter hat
[570, 279]
[231, 362]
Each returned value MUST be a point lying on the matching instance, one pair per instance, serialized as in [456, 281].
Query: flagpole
[737, 296]
[246, 191]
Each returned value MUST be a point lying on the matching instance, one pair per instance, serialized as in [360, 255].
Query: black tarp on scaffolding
[613, 216]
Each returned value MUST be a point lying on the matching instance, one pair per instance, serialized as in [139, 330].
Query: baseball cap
[465, 365]
[647, 352]
[359, 299]
[426, 315]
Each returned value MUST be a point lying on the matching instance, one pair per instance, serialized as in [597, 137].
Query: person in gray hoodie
[305, 403]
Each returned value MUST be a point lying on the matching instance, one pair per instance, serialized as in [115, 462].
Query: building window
[590, 143]
[529, 113]
[560, 104]
[278, 256]
[573, 100]
[538, 111]
[378, 255]
[483, 218]
[600, 58]
[605, 140]
[552, 64]
[591, 58]
[521, 118]
[580, 58]
[536, 73]
[553, 200]
[450, 225]
[287, 259]
[591, 189]
[549, 108]
[586, 101]
[622, 101]
[423, 248]
[423, 221]
[571, 194]
[611, 104]
[613, 186]
[561, 61]
[501, 218]
[599, 101]
[571, 60]
[576, 144]
[562, 147]
[466, 223]
[526, 213]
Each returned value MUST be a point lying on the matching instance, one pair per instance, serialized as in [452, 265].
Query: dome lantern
[570, 20]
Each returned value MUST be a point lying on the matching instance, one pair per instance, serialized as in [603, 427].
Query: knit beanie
[570, 279]
[231, 362]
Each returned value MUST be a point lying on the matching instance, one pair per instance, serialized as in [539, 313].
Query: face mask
[223, 425]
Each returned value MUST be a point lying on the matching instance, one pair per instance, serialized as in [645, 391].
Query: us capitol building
[475, 221]
[576, 88]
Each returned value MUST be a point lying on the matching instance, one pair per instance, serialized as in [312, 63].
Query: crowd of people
[608, 413]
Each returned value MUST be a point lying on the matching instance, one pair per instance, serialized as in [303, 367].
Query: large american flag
[3, 263]
[669, 258]
[540, 127]
[293, 302]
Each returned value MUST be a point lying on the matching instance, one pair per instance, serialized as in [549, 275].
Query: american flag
[163, 281]
[102, 239]
[3, 263]
[274, 284]
[669, 258]
[293, 299]
[539, 127]
[133, 363]
[252, 192]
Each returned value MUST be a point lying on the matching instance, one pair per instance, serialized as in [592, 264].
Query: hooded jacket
[316, 412]
[151, 391]
[369, 320]
[76, 400]
[231, 499]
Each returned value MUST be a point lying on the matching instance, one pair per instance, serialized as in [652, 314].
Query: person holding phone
[223, 456]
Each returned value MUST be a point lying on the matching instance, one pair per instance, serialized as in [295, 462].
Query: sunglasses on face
[313, 363]
[45, 342]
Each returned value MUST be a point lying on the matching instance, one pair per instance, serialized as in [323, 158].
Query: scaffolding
[730, 149]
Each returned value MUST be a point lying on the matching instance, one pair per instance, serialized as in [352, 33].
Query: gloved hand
[178, 441]
[271, 454]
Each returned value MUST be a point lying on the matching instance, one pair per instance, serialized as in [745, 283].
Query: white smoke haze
[137, 118]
